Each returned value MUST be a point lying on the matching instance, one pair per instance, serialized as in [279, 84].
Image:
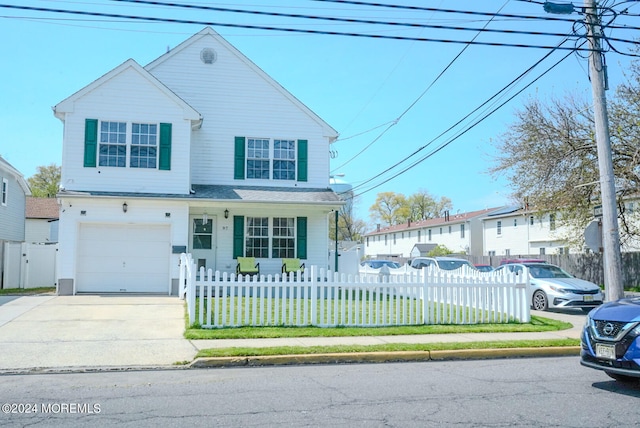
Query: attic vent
[208, 56]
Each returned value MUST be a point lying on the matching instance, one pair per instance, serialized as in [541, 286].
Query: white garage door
[123, 258]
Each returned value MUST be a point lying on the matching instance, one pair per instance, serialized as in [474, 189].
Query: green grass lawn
[26, 291]
[536, 324]
[391, 347]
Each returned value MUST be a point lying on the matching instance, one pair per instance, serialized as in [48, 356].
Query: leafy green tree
[439, 250]
[45, 183]
[390, 208]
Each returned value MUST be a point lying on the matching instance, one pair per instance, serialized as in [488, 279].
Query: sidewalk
[102, 332]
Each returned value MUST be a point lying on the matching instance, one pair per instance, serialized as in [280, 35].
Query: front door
[203, 241]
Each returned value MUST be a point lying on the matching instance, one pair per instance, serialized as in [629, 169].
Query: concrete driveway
[40, 332]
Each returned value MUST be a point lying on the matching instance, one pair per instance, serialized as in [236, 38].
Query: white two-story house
[460, 233]
[199, 151]
[514, 231]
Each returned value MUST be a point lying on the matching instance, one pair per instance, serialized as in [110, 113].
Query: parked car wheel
[586, 310]
[622, 378]
[540, 302]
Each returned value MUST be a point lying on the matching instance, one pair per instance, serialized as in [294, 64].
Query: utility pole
[612, 261]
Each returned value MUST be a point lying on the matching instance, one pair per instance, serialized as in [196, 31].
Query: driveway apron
[40, 332]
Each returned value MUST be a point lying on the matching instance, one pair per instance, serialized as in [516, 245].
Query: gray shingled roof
[236, 193]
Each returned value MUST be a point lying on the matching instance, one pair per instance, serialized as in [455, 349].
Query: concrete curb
[383, 357]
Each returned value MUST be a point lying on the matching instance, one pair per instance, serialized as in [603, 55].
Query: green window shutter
[164, 158]
[90, 142]
[301, 235]
[302, 160]
[238, 236]
[238, 166]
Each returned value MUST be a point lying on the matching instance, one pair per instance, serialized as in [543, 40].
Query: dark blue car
[610, 339]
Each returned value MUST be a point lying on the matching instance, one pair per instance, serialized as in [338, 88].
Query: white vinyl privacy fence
[326, 299]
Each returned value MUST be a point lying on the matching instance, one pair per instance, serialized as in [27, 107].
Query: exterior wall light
[124, 207]
[226, 213]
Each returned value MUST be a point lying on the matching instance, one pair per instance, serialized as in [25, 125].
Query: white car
[552, 287]
[444, 263]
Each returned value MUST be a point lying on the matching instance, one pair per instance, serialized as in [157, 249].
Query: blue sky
[360, 86]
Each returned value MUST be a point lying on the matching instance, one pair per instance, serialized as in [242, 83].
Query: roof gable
[328, 131]
[6, 166]
[67, 105]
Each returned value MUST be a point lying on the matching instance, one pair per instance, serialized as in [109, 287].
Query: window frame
[128, 145]
[280, 164]
[250, 239]
[5, 192]
[290, 236]
[140, 146]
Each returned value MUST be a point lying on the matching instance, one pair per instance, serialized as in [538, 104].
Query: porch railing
[322, 298]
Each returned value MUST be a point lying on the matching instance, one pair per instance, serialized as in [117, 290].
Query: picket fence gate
[317, 297]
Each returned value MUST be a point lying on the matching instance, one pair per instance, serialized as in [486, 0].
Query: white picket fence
[327, 299]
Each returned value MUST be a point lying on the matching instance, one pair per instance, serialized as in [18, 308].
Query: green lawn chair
[292, 265]
[247, 266]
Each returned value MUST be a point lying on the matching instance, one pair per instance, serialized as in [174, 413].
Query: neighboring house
[515, 231]
[41, 226]
[199, 151]
[460, 233]
[14, 190]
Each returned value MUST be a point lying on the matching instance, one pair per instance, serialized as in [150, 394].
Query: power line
[419, 97]
[283, 29]
[452, 139]
[433, 9]
[335, 19]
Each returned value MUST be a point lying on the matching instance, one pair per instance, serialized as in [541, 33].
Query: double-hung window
[113, 144]
[5, 191]
[270, 159]
[283, 243]
[270, 237]
[258, 163]
[284, 160]
[144, 145]
[257, 237]
[127, 144]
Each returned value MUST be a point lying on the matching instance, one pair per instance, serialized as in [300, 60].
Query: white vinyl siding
[145, 105]
[240, 101]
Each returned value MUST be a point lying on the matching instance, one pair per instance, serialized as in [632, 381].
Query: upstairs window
[258, 164]
[5, 191]
[552, 222]
[499, 228]
[144, 145]
[113, 144]
[122, 144]
[284, 160]
[267, 159]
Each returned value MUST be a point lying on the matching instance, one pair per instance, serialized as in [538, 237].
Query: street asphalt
[48, 333]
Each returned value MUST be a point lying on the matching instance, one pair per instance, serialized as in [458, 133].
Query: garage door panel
[123, 258]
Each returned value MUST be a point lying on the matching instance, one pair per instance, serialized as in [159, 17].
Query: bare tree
[549, 157]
